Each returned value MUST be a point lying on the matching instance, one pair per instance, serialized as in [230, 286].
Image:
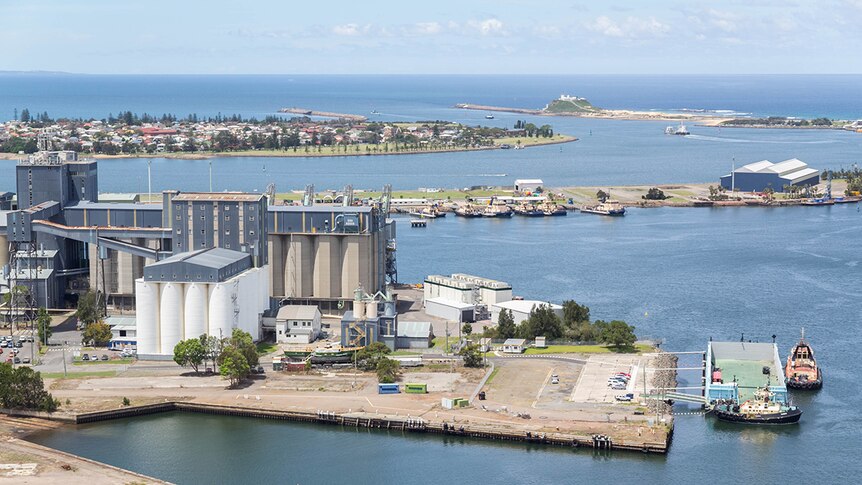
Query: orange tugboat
[801, 370]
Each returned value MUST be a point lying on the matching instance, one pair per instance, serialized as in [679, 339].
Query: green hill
[577, 105]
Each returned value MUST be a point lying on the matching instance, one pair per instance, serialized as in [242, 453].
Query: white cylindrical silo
[359, 310]
[147, 316]
[170, 317]
[371, 309]
[220, 313]
[196, 310]
[264, 286]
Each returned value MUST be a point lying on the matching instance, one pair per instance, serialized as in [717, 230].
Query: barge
[745, 384]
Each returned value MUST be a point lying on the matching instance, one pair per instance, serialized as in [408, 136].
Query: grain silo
[210, 291]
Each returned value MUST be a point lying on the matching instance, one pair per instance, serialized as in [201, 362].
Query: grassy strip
[586, 349]
[78, 375]
[491, 377]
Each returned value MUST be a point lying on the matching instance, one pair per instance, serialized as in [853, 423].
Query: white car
[618, 386]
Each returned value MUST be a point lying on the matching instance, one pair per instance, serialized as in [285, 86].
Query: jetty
[323, 114]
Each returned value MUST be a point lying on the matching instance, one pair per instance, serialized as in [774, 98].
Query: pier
[323, 114]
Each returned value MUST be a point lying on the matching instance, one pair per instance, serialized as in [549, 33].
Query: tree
[573, 313]
[43, 324]
[618, 334]
[387, 370]
[233, 365]
[22, 388]
[89, 309]
[212, 347]
[368, 357]
[467, 329]
[602, 195]
[25, 115]
[96, 334]
[472, 356]
[190, 353]
[542, 322]
[655, 194]
[506, 324]
[243, 342]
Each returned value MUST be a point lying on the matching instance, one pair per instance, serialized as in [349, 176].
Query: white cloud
[428, 28]
[630, 27]
[487, 26]
[350, 29]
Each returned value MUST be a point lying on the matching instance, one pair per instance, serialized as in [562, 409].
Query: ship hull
[805, 385]
[788, 417]
[605, 213]
[500, 215]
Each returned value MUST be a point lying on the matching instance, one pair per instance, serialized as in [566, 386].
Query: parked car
[624, 397]
[25, 360]
[104, 357]
[555, 379]
[16, 360]
[85, 357]
[619, 386]
[19, 344]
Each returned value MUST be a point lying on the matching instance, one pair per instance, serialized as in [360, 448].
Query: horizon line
[69, 73]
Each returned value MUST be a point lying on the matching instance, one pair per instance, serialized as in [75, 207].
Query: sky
[436, 37]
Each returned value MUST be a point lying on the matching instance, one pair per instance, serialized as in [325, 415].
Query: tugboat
[528, 210]
[467, 211]
[763, 409]
[551, 209]
[681, 130]
[496, 208]
[489, 117]
[801, 369]
[609, 207]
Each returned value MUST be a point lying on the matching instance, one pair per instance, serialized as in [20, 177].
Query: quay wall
[365, 420]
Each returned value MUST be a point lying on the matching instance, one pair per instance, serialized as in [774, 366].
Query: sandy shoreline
[297, 154]
[618, 114]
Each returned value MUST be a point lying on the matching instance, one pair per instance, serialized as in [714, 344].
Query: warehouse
[758, 176]
[521, 309]
[463, 297]
[297, 324]
[209, 291]
[528, 186]
[450, 310]
[415, 335]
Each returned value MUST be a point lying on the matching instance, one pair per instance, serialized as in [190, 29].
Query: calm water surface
[681, 274]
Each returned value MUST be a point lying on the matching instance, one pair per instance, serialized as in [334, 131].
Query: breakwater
[402, 423]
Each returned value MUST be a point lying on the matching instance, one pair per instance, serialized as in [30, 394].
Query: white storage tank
[220, 313]
[147, 325]
[196, 310]
[170, 316]
[371, 309]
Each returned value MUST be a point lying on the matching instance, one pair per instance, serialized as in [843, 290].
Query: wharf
[460, 426]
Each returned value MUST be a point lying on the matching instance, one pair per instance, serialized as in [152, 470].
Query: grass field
[583, 349]
[264, 348]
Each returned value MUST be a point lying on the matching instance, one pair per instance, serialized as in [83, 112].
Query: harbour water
[683, 274]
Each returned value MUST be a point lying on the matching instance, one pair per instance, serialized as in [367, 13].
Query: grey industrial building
[758, 176]
[60, 241]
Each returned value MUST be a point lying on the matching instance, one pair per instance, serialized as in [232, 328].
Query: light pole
[149, 182]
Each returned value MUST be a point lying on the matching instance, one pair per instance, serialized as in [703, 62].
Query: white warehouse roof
[529, 181]
[526, 306]
[297, 312]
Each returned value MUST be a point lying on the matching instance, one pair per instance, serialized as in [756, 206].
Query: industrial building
[525, 186]
[521, 309]
[734, 370]
[462, 297]
[61, 240]
[297, 324]
[758, 176]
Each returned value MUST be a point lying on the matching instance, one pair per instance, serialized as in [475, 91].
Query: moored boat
[607, 208]
[552, 209]
[496, 208]
[819, 201]
[528, 210]
[762, 409]
[468, 211]
[801, 371]
[332, 356]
